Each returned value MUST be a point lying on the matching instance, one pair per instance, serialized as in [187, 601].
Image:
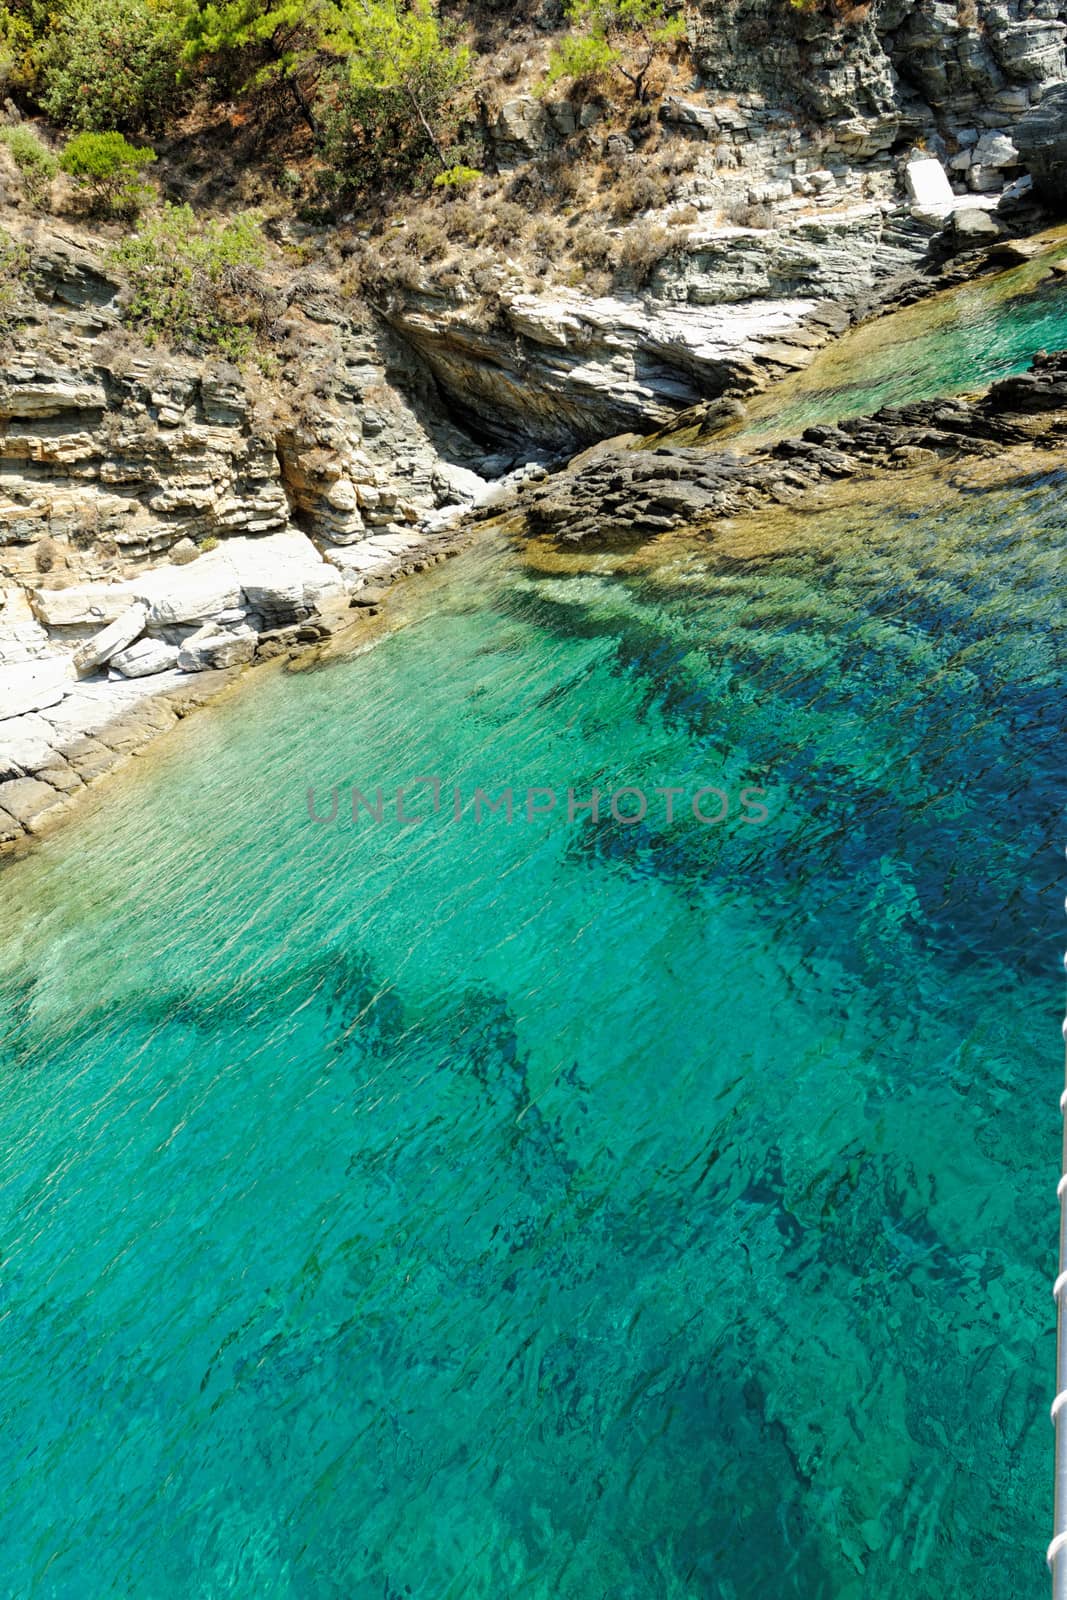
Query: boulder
[283, 576]
[522, 127]
[1017, 194]
[189, 594]
[456, 485]
[212, 647]
[145, 658]
[683, 114]
[972, 227]
[1041, 139]
[927, 184]
[98, 650]
[984, 180]
[82, 605]
[995, 150]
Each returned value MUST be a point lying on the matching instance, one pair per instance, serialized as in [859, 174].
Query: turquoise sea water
[959, 341]
[561, 1209]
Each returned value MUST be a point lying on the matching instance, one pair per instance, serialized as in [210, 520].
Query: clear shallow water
[561, 1210]
[958, 341]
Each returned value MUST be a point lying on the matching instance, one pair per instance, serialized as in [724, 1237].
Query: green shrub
[582, 58]
[387, 119]
[18, 51]
[623, 35]
[14, 273]
[110, 170]
[197, 285]
[457, 177]
[113, 64]
[256, 44]
[36, 163]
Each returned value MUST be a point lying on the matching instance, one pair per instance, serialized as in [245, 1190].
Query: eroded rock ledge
[614, 494]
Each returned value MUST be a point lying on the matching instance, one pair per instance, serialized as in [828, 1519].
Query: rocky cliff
[796, 206]
[165, 518]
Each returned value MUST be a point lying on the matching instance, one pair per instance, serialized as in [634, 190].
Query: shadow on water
[555, 1207]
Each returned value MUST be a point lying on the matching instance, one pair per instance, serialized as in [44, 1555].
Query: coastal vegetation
[623, 36]
[110, 171]
[36, 164]
[370, 99]
[197, 283]
[14, 266]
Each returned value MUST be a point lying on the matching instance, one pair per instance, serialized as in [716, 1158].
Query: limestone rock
[189, 594]
[82, 605]
[38, 387]
[728, 308]
[1031, 50]
[1041, 137]
[972, 227]
[683, 114]
[145, 658]
[97, 651]
[212, 648]
[611, 494]
[995, 150]
[927, 184]
[521, 129]
[283, 576]
[25, 745]
[34, 685]
[28, 801]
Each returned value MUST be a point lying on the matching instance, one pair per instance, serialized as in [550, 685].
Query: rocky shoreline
[68, 733]
[167, 520]
[72, 718]
[621, 494]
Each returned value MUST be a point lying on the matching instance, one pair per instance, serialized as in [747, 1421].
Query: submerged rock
[611, 495]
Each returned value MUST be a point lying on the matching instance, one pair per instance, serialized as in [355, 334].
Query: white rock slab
[928, 186]
[281, 569]
[145, 658]
[35, 685]
[102, 646]
[189, 594]
[361, 560]
[26, 743]
[84, 604]
[212, 648]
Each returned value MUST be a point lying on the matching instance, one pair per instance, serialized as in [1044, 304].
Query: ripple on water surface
[560, 1209]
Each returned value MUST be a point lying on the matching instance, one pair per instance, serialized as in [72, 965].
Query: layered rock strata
[617, 494]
